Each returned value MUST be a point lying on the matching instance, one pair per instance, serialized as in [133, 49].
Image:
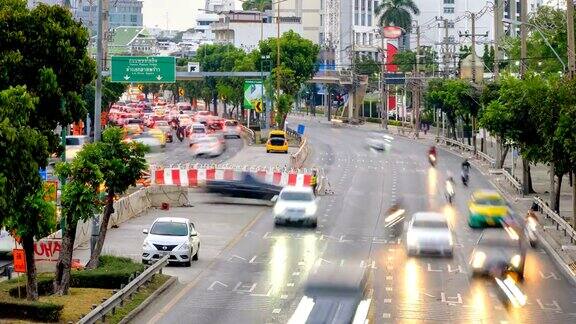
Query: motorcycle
[531, 228]
[449, 191]
[432, 159]
[465, 178]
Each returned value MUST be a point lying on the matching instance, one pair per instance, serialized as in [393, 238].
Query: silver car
[232, 129]
[429, 233]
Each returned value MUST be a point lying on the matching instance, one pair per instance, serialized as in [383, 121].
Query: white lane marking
[290, 284]
[386, 315]
[388, 277]
[389, 289]
[387, 301]
[276, 311]
[284, 297]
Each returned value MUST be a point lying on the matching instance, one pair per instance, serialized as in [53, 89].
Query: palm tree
[259, 5]
[397, 13]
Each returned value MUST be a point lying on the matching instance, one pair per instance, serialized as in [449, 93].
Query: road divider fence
[250, 133]
[198, 175]
[560, 223]
[100, 312]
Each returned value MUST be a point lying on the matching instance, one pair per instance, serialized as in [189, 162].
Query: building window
[363, 5]
[448, 1]
[356, 19]
[369, 19]
[370, 38]
[364, 40]
[133, 18]
[369, 5]
[450, 24]
[375, 5]
[363, 20]
[356, 4]
[321, 20]
[448, 10]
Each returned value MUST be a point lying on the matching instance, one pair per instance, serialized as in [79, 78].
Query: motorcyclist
[432, 150]
[465, 170]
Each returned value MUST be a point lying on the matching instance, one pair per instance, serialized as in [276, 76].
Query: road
[260, 278]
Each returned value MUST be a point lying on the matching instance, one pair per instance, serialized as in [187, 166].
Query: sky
[176, 14]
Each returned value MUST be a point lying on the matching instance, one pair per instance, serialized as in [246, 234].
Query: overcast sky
[176, 14]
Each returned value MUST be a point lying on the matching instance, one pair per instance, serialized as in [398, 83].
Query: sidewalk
[556, 240]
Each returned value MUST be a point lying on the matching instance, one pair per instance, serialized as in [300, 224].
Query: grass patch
[139, 298]
[79, 302]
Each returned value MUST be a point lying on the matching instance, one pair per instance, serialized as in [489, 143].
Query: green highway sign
[253, 91]
[143, 69]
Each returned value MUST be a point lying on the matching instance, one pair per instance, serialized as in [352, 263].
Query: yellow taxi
[486, 208]
[277, 142]
[158, 134]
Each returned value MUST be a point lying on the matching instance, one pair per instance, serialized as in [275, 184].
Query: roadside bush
[391, 122]
[45, 287]
[112, 272]
[37, 311]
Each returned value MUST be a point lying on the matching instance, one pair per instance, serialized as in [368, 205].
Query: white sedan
[429, 233]
[296, 205]
[172, 236]
[208, 146]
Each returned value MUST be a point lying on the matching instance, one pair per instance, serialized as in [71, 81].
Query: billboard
[253, 92]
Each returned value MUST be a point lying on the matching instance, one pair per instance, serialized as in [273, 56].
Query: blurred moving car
[335, 294]
[215, 125]
[486, 208]
[196, 131]
[296, 205]
[380, 142]
[498, 252]
[248, 186]
[277, 142]
[184, 106]
[208, 146]
[202, 116]
[155, 144]
[172, 236]
[164, 126]
[74, 144]
[429, 233]
[134, 126]
[232, 129]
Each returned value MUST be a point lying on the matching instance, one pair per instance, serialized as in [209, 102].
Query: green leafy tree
[397, 13]
[121, 165]
[79, 201]
[406, 60]
[285, 102]
[366, 65]
[565, 132]
[298, 62]
[488, 57]
[259, 5]
[23, 210]
[45, 50]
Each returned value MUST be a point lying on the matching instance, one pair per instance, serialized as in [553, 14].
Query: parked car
[296, 205]
[429, 233]
[247, 187]
[74, 144]
[172, 236]
[277, 142]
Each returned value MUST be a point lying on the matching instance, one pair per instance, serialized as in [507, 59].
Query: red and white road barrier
[198, 176]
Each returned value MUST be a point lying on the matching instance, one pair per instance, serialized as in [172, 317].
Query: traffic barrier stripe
[194, 177]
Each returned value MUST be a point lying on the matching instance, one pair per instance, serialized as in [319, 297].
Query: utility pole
[446, 49]
[473, 48]
[523, 37]
[416, 91]
[278, 54]
[99, 59]
[570, 24]
[498, 16]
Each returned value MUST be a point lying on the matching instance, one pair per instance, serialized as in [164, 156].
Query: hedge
[111, 274]
[391, 122]
[37, 311]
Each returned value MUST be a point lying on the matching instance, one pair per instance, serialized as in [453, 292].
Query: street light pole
[278, 54]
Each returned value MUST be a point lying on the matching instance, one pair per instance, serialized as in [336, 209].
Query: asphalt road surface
[179, 153]
[260, 278]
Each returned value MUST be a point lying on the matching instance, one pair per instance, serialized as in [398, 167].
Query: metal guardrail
[466, 147]
[561, 224]
[250, 133]
[110, 305]
[517, 185]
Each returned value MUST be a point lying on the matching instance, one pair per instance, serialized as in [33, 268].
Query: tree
[397, 13]
[298, 62]
[258, 5]
[45, 50]
[488, 57]
[23, 210]
[285, 102]
[121, 165]
[79, 201]
[565, 131]
[366, 65]
[406, 60]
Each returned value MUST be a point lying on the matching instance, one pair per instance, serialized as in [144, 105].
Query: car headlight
[515, 261]
[146, 245]
[450, 240]
[185, 247]
[311, 210]
[279, 209]
[478, 260]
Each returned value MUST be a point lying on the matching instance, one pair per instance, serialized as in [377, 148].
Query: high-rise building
[310, 12]
[122, 13]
